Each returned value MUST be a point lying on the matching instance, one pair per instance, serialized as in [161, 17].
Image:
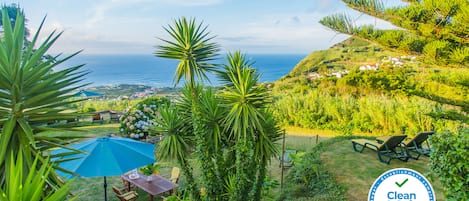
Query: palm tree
[245, 121]
[193, 48]
[32, 93]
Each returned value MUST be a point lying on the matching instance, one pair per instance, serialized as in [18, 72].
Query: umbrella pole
[105, 189]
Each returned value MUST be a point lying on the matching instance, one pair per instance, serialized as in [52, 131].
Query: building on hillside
[369, 67]
[338, 74]
[313, 76]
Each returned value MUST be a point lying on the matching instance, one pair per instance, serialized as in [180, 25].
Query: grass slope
[353, 171]
[356, 172]
[344, 55]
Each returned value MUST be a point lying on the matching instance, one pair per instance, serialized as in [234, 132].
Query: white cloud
[103, 11]
[294, 33]
[109, 26]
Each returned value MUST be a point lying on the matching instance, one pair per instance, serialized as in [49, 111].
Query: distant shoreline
[132, 90]
[136, 90]
[113, 70]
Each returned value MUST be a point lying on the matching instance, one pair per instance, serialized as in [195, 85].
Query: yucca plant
[32, 92]
[245, 101]
[29, 186]
[192, 46]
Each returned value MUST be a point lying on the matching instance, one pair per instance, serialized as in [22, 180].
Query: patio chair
[128, 186]
[287, 160]
[174, 177]
[386, 147]
[416, 145]
[175, 174]
[129, 196]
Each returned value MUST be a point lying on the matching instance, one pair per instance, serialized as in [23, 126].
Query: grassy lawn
[92, 188]
[357, 171]
[92, 130]
[301, 140]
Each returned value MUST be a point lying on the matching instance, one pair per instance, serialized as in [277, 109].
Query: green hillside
[347, 54]
[403, 94]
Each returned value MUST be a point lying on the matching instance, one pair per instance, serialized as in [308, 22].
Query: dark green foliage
[439, 29]
[449, 162]
[310, 180]
[32, 93]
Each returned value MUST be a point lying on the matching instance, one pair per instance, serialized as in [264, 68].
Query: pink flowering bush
[137, 120]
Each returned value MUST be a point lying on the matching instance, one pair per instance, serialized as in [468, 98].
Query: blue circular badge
[401, 184]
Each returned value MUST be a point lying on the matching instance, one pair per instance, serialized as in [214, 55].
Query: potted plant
[149, 170]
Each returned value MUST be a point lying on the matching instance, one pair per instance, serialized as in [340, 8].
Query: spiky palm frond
[212, 117]
[173, 146]
[32, 92]
[28, 186]
[193, 48]
[245, 100]
[233, 61]
[266, 146]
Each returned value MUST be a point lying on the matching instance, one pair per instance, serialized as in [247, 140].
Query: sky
[134, 26]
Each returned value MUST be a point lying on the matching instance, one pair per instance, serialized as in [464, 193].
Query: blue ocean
[158, 72]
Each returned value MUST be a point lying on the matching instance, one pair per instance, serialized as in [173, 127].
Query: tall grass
[380, 115]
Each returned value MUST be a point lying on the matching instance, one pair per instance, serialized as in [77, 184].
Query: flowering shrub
[137, 120]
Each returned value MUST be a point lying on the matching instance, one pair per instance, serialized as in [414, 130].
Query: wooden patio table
[156, 186]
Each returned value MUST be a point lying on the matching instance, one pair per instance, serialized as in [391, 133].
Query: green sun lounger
[416, 145]
[386, 147]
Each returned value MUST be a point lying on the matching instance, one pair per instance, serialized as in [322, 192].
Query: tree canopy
[437, 30]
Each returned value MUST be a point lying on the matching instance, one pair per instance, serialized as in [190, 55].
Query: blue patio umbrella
[106, 156]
